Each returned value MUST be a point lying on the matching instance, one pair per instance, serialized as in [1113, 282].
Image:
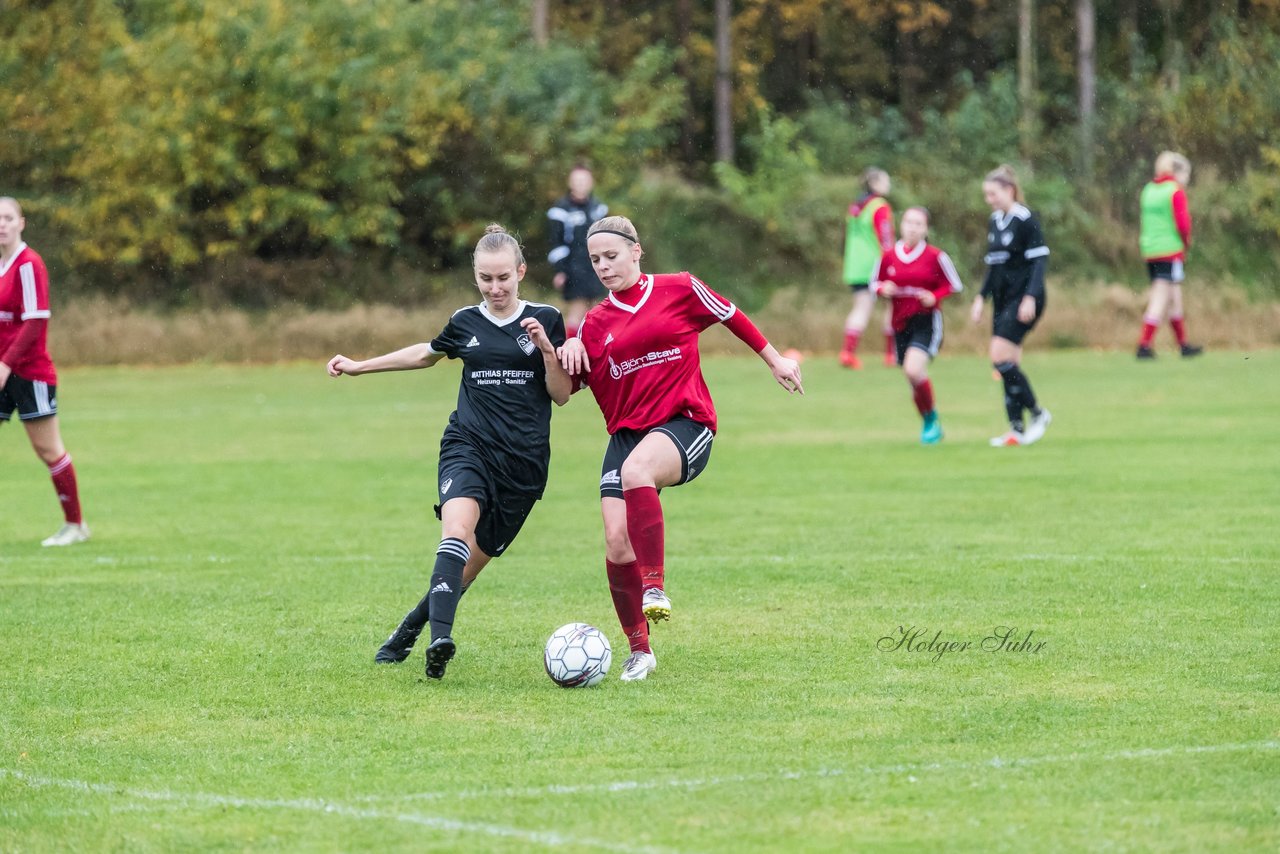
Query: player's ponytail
[1004, 175]
[496, 238]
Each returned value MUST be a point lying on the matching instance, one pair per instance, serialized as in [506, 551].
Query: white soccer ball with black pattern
[577, 656]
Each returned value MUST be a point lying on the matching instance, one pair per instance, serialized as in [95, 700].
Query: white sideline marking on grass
[871, 770]
[549, 839]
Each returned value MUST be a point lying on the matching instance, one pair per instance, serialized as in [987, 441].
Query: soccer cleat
[398, 646]
[1145, 352]
[68, 535]
[850, 360]
[656, 605]
[1012, 439]
[931, 432]
[438, 655]
[638, 666]
[1035, 430]
[1189, 350]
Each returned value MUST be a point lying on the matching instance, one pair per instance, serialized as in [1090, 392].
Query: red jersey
[924, 269]
[24, 297]
[642, 344]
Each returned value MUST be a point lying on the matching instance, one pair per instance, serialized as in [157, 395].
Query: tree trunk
[724, 84]
[540, 22]
[1085, 20]
[1172, 45]
[1026, 76]
[684, 68]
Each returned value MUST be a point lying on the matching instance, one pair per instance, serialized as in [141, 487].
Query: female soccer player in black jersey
[1016, 260]
[495, 451]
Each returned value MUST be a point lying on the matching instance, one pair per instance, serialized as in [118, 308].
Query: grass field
[200, 677]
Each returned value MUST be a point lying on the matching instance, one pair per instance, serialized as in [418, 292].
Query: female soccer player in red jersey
[1165, 237]
[638, 352]
[496, 448]
[868, 234]
[28, 381]
[917, 277]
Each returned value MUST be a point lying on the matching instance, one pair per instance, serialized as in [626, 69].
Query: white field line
[822, 773]
[195, 800]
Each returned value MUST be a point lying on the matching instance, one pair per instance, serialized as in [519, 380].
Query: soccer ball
[577, 656]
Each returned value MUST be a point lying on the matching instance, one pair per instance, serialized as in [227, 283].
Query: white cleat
[638, 666]
[1035, 430]
[656, 605]
[1012, 439]
[68, 535]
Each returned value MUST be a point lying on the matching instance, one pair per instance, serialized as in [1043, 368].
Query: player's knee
[636, 472]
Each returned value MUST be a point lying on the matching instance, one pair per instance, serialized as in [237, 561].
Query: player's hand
[928, 300]
[975, 313]
[573, 357]
[787, 373]
[5, 373]
[558, 280]
[340, 365]
[538, 335]
[884, 289]
[1027, 309]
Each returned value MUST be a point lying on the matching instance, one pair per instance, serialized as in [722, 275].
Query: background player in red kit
[868, 234]
[1164, 239]
[28, 381]
[917, 277]
[638, 352]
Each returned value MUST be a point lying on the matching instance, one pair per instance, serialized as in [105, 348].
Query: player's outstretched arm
[975, 311]
[559, 383]
[407, 359]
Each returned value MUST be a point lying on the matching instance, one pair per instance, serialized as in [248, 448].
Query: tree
[1085, 19]
[724, 83]
[1026, 76]
[540, 12]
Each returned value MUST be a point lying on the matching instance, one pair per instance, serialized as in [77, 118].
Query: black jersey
[1016, 257]
[568, 221]
[504, 409]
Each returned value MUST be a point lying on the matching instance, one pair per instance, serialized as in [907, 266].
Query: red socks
[923, 396]
[890, 349]
[64, 481]
[645, 530]
[851, 340]
[628, 595]
[1149, 326]
[1179, 329]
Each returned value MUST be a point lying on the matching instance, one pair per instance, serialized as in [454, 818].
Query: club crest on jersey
[526, 344]
[444, 486]
[1006, 238]
[891, 271]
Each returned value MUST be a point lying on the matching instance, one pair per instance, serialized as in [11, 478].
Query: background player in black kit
[567, 223]
[495, 451]
[1016, 260]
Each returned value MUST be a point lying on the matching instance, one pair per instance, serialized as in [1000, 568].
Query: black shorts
[31, 398]
[1006, 324]
[463, 474]
[859, 286]
[1169, 270]
[580, 286]
[693, 441]
[923, 331]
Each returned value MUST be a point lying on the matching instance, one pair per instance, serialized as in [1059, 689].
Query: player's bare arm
[410, 358]
[559, 383]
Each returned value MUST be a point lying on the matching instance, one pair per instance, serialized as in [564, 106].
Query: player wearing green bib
[868, 235]
[1164, 239]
